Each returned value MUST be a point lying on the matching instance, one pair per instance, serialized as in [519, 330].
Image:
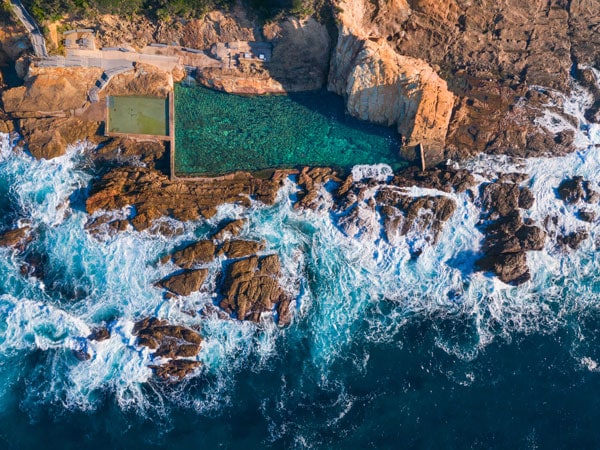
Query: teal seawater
[386, 351]
[217, 133]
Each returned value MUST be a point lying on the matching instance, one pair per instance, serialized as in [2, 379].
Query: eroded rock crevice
[173, 347]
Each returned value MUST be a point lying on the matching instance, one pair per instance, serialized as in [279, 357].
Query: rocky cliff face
[497, 62]
[383, 86]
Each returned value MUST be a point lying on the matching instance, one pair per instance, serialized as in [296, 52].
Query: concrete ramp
[93, 94]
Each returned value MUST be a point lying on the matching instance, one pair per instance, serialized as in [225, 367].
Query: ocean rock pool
[138, 115]
[218, 133]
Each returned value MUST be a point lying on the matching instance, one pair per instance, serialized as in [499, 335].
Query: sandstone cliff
[501, 61]
[383, 86]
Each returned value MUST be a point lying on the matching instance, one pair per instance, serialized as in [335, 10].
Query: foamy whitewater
[377, 333]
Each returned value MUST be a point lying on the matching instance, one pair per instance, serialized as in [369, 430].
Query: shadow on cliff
[332, 107]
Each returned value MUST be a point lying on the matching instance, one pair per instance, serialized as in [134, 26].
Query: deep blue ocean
[385, 350]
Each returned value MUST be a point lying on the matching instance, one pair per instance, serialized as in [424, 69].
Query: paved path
[104, 79]
[37, 38]
[107, 60]
[114, 58]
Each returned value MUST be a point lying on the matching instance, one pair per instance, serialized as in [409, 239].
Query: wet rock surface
[249, 283]
[184, 283]
[310, 181]
[403, 215]
[576, 189]
[99, 334]
[443, 178]
[169, 343]
[176, 369]
[374, 207]
[250, 288]
[154, 195]
[241, 248]
[201, 252]
[507, 237]
[574, 239]
[586, 216]
[230, 229]
[17, 238]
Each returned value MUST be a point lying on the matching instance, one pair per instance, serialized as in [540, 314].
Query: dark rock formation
[588, 79]
[250, 288]
[423, 215]
[586, 216]
[169, 342]
[361, 206]
[35, 264]
[99, 334]
[507, 237]
[184, 283]
[442, 178]
[573, 190]
[526, 198]
[81, 354]
[201, 252]
[574, 239]
[511, 268]
[175, 370]
[500, 198]
[310, 180]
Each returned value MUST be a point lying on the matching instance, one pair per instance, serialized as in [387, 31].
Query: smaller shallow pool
[138, 115]
[217, 133]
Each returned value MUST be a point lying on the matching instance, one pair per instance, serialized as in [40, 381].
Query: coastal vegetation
[163, 9]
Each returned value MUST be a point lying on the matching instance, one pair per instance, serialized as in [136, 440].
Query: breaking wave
[351, 291]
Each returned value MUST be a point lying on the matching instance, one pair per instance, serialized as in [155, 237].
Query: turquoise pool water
[217, 133]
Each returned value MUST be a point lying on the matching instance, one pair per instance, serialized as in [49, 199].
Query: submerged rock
[184, 283]
[17, 238]
[99, 334]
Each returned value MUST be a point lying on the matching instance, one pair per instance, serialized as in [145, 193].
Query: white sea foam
[349, 286]
[377, 172]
